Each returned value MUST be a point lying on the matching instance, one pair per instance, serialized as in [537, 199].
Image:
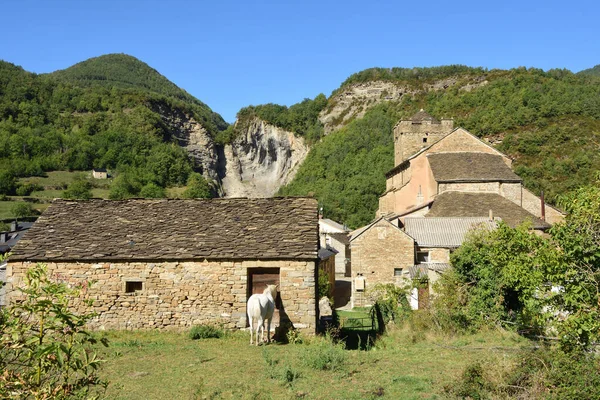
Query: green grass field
[401, 365]
[5, 208]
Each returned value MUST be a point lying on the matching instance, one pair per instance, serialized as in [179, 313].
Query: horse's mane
[272, 289]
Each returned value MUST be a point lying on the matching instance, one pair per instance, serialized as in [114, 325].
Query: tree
[198, 188]
[153, 191]
[80, 189]
[20, 210]
[8, 182]
[45, 351]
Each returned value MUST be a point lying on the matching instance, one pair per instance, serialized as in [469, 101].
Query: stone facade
[412, 135]
[177, 294]
[377, 252]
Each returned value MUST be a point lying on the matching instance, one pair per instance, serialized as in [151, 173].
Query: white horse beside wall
[261, 308]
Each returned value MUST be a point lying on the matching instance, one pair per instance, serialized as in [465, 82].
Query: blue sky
[230, 54]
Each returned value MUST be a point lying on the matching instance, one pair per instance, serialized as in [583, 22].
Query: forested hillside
[549, 122]
[104, 112]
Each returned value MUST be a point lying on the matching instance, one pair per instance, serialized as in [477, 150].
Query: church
[445, 183]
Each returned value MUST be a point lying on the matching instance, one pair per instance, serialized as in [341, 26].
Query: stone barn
[175, 263]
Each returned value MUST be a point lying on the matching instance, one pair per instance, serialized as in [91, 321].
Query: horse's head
[272, 289]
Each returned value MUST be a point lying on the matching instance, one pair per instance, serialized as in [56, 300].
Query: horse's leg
[269, 330]
[251, 328]
[262, 329]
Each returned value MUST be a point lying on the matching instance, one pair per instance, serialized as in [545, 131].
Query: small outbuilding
[100, 173]
[175, 263]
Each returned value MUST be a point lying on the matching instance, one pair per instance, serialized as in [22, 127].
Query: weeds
[206, 332]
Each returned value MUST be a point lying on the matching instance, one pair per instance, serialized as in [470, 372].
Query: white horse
[261, 307]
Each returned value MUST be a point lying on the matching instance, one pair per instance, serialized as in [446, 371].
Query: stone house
[100, 173]
[175, 263]
[334, 236]
[446, 182]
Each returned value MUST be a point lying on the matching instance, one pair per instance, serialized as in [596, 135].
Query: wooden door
[258, 279]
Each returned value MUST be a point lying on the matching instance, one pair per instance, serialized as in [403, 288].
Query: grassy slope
[155, 365]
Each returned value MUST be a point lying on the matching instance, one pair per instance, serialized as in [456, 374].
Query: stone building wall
[178, 294]
[533, 204]
[377, 252]
[410, 137]
[474, 187]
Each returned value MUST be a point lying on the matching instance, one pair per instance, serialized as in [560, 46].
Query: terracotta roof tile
[277, 228]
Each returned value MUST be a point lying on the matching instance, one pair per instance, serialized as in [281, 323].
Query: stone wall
[178, 294]
[377, 252]
[410, 137]
[474, 187]
[533, 204]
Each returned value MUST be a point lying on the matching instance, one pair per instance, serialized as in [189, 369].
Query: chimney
[491, 215]
[543, 205]
[320, 213]
[14, 226]
[3, 237]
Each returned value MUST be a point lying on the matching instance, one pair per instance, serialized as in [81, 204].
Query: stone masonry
[178, 294]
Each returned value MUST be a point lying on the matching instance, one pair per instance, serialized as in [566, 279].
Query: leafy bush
[45, 351]
[27, 188]
[472, 384]
[80, 189]
[324, 354]
[20, 210]
[206, 332]
[198, 188]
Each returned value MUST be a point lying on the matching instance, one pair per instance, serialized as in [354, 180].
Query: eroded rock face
[261, 160]
[193, 137]
[354, 100]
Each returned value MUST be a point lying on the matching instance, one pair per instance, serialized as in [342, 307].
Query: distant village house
[100, 173]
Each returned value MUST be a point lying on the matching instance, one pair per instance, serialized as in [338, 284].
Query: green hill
[127, 72]
[549, 122]
[91, 116]
[594, 71]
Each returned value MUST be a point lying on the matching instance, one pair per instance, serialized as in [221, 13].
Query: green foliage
[198, 188]
[324, 354]
[206, 332]
[301, 118]
[111, 112]
[472, 384]
[125, 186]
[27, 188]
[45, 351]
[409, 75]
[323, 285]
[506, 276]
[594, 71]
[345, 171]
[8, 182]
[391, 301]
[20, 210]
[80, 189]
[153, 191]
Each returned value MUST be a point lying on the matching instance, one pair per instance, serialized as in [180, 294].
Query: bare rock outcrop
[192, 136]
[354, 100]
[261, 160]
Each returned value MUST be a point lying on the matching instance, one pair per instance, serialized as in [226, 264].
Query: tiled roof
[420, 270]
[470, 167]
[325, 253]
[466, 204]
[444, 232]
[332, 224]
[277, 228]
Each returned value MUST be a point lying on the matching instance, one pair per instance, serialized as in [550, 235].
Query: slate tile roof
[466, 204]
[419, 271]
[470, 167]
[445, 232]
[276, 228]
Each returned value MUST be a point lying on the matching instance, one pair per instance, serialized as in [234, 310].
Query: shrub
[206, 332]
[20, 210]
[324, 354]
[45, 352]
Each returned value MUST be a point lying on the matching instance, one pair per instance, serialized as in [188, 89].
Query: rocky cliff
[354, 100]
[256, 164]
[260, 160]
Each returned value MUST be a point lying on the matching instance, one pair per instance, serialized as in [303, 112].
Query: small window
[133, 286]
[422, 256]
[397, 271]
[424, 140]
